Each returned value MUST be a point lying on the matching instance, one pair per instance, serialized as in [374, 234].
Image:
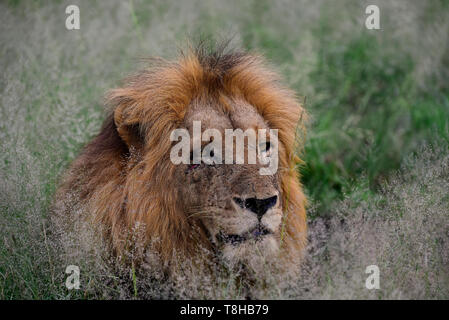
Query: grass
[386, 116]
[375, 99]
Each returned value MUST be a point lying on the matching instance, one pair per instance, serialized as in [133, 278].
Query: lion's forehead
[211, 115]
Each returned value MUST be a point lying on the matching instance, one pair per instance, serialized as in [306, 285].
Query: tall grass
[375, 98]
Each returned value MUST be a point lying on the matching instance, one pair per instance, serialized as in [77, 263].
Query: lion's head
[125, 175]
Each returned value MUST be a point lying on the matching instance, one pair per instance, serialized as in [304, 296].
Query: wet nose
[258, 206]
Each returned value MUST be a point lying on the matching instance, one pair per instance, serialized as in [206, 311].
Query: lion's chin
[253, 252]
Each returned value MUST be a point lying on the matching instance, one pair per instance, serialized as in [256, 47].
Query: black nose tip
[258, 206]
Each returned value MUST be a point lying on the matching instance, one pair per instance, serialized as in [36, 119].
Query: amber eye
[196, 165]
[265, 147]
[192, 165]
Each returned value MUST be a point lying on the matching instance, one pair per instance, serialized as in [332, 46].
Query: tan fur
[124, 176]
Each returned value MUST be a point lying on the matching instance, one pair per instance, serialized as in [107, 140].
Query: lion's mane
[124, 176]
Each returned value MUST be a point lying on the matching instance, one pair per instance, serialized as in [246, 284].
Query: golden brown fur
[124, 175]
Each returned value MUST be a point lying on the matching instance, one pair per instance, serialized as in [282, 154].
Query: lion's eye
[192, 165]
[265, 148]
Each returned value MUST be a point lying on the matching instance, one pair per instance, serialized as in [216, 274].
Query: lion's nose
[258, 206]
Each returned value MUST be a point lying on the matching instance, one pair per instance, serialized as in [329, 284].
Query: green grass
[370, 93]
[375, 98]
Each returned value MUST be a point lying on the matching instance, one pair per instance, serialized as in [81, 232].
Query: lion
[124, 178]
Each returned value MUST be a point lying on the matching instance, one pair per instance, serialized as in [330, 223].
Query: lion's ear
[129, 130]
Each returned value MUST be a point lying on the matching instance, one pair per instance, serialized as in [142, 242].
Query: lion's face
[240, 208]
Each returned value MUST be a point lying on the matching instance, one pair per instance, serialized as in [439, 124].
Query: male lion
[124, 180]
